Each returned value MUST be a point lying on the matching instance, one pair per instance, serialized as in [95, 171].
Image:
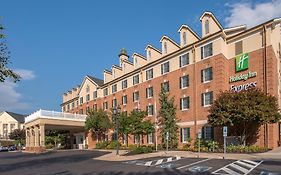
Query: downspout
[265, 83]
[195, 91]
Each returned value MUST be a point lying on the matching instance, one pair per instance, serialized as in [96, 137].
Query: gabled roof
[152, 47]
[188, 28]
[168, 38]
[98, 81]
[139, 55]
[17, 117]
[213, 16]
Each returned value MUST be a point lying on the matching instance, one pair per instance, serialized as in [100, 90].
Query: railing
[54, 115]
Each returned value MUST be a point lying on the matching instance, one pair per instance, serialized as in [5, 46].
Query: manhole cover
[167, 165]
[199, 169]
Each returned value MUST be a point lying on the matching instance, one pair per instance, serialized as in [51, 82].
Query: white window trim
[204, 100]
[183, 141]
[146, 73]
[182, 82]
[133, 79]
[204, 81]
[151, 110]
[150, 141]
[182, 104]
[163, 69]
[180, 59]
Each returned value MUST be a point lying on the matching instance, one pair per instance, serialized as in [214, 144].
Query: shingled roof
[17, 117]
[96, 80]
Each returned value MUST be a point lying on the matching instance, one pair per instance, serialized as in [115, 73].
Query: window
[136, 139]
[165, 47]
[150, 138]
[87, 109]
[184, 38]
[124, 99]
[165, 67]
[95, 94]
[207, 98]
[124, 68]
[149, 92]
[238, 48]
[184, 81]
[68, 106]
[114, 88]
[124, 84]
[12, 127]
[185, 134]
[136, 79]
[149, 55]
[184, 60]
[81, 111]
[105, 92]
[81, 100]
[105, 105]
[136, 62]
[207, 133]
[114, 103]
[5, 130]
[87, 88]
[184, 103]
[206, 50]
[206, 27]
[95, 107]
[206, 75]
[113, 73]
[150, 110]
[72, 105]
[63, 108]
[149, 74]
[136, 96]
[88, 97]
[165, 86]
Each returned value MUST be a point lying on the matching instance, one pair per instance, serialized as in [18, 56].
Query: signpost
[167, 139]
[199, 137]
[224, 140]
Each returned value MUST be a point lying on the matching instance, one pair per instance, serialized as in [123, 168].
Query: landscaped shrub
[141, 150]
[102, 145]
[132, 147]
[113, 145]
[245, 149]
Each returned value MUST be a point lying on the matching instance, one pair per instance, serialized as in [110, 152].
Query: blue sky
[54, 44]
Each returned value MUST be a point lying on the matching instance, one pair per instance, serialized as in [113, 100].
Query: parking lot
[82, 163]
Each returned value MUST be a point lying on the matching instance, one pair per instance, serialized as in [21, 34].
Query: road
[82, 163]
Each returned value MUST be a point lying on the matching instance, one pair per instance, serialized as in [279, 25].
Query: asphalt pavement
[78, 162]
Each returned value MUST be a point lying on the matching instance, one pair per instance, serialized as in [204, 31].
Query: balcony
[44, 114]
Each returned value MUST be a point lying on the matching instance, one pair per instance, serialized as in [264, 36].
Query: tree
[5, 60]
[244, 112]
[167, 119]
[124, 125]
[97, 122]
[18, 135]
[138, 125]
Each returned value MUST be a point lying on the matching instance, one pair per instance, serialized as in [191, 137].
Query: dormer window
[149, 55]
[104, 78]
[184, 38]
[136, 62]
[87, 88]
[165, 47]
[113, 73]
[206, 27]
[124, 68]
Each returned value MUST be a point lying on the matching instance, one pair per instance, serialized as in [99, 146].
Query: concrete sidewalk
[271, 155]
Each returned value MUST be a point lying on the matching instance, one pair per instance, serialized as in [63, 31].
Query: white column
[42, 135]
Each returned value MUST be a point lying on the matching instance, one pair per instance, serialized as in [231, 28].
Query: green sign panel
[242, 62]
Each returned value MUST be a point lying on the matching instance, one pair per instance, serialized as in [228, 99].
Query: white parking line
[170, 159]
[242, 169]
[229, 171]
[148, 163]
[194, 163]
[159, 161]
[244, 164]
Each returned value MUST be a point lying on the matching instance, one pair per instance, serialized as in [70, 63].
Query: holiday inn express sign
[242, 63]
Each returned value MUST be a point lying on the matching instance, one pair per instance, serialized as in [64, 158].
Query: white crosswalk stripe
[155, 162]
[238, 167]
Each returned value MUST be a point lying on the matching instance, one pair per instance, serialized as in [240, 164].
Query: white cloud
[252, 14]
[25, 74]
[10, 98]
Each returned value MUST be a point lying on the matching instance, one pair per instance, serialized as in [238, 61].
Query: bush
[141, 150]
[113, 145]
[245, 149]
[132, 147]
[102, 145]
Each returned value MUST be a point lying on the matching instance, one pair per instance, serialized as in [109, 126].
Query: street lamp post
[116, 113]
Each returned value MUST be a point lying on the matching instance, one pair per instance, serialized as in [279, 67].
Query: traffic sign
[225, 131]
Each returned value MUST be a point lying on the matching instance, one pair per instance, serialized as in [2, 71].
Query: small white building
[10, 121]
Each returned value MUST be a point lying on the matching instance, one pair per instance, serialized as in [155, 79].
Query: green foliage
[55, 137]
[5, 60]
[97, 121]
[137, 124]
[107, 145]
[245, 149]
[141, 150]
[243, 110]
[113, 144]
[18, 135]
[167, 119]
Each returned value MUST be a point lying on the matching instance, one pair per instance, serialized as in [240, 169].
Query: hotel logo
[242, 62]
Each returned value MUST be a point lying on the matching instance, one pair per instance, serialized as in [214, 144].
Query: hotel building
[194, 71]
